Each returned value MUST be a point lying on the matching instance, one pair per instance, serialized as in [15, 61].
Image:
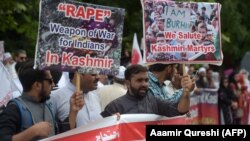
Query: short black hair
[134, 69]
[19, 64]
[56, 75]
[160, 34]
[19, 51]
[28, 75]
[158, 67]
[71, 75]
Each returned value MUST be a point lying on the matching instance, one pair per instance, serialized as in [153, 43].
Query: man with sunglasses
[36, 119]
[20, 55]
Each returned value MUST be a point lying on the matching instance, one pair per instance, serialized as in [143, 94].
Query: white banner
[128, 127]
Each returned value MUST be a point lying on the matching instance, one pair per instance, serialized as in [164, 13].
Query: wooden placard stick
[78, 75]
[184, 69]
[78, 89]
[184, 73]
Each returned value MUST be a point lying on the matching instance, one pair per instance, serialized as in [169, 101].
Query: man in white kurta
[91, 109]
[110, 92]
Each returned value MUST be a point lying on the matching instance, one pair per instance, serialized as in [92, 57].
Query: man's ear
[127, 82]
[36, 85]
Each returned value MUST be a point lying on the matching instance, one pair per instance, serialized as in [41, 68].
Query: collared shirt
[173, 94]
[158, 90]
[129, 104]
[91, 110]
[155, 88]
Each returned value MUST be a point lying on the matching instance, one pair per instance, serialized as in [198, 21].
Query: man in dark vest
[37, 85]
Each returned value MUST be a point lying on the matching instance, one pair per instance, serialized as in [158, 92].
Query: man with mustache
[138, 101]
[92, 107]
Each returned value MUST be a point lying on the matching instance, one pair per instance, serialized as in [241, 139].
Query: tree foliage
[19, 24]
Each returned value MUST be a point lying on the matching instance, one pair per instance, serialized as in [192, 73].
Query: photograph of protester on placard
[191, 32]
[83, 37]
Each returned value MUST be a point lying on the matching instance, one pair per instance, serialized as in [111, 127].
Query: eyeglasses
[50, 80]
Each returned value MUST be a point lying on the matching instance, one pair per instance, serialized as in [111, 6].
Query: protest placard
[82, 37]
[182, 32]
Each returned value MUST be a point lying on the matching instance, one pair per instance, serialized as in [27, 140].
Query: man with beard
[138, 101]
[32, 117]
[9, 64]
[90, 111]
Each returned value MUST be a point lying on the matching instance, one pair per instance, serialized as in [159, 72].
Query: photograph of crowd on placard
[182, 31]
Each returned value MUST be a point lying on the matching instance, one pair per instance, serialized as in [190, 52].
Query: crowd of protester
[154, 87]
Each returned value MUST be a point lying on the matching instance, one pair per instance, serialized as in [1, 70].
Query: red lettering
[47, 57]
[66, 58]
[82, 61]
[84, 13]
[212, 49]
[153, 47]
[110, 62]
[190, 47]
[89, 60]
[169, 35]
[90, 12]
[70, 60]
[80, 12]
[189, 36]
[51, 58]
[198, 36]
[98, 15]
[54, 59]
[70, 10]
[74, 61]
